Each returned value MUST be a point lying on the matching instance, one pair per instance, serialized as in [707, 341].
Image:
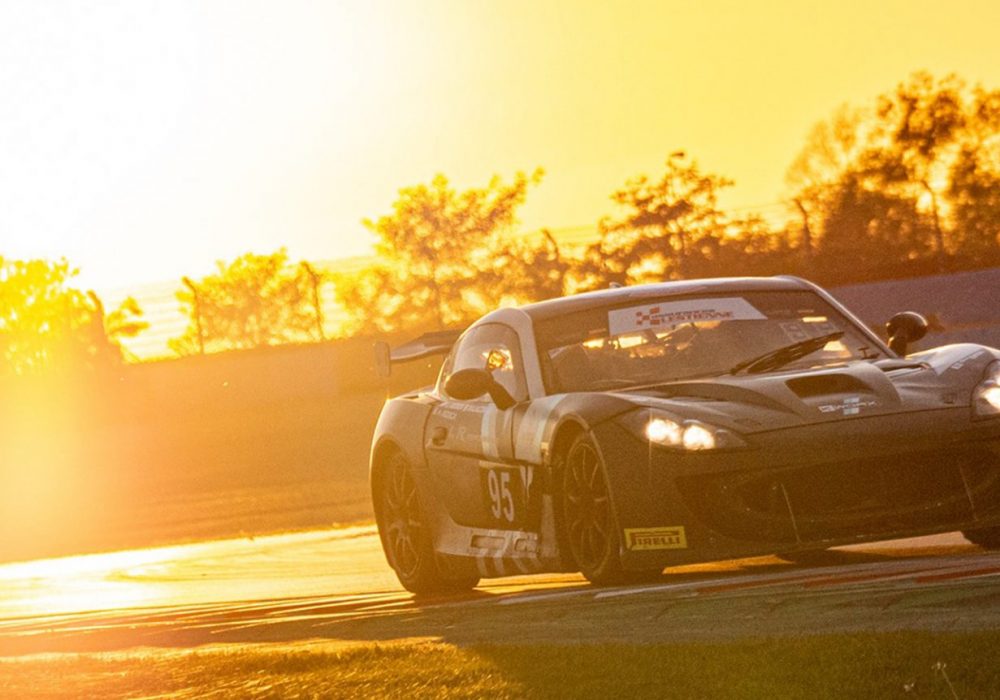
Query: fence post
[197, 313]
[807, 239]
[316, 280]
[98, 326]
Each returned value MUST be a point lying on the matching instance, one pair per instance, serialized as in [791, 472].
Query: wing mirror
[904, 328]
[468, 384]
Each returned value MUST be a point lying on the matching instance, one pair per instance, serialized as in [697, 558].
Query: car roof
[551, 308]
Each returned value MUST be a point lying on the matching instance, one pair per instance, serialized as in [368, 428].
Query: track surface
[335, 585]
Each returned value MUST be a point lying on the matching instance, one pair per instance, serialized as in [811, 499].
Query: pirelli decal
[645, 538]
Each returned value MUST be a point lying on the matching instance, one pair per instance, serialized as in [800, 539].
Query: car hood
[936, 379]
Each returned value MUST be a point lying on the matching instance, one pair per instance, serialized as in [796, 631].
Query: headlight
[986, 397]
[698, 437]
[665, 429]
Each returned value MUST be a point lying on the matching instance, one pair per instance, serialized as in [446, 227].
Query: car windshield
[647, 341]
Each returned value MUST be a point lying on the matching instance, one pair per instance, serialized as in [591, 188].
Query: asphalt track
[335, 586]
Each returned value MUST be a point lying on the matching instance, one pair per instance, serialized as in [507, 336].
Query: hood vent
[826, 384]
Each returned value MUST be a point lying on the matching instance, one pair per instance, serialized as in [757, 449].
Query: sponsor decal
[528, 445]
[646, 538]
[670, 313]
[488, 433]
[849, 407]
[451, 408]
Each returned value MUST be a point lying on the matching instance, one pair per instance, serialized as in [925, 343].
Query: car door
[469, 444]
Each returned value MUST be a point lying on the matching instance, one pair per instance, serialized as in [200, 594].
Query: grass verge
[903, 664]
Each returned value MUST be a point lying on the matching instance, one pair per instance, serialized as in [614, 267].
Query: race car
[622, 431]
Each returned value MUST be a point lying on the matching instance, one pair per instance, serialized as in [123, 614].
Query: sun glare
[83, 583]
[187, 574]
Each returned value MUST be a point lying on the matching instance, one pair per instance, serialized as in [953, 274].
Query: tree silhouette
[918, 128]
[446, 256]
[522, 270]
[46, 325]
[663, 226]
[831, 148]
[974, 187]
[906, 187]
[871, 234]
[254, 300]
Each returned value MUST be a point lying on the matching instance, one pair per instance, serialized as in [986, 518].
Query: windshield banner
[665, 314]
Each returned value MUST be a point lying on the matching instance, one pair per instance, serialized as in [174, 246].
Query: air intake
[826, 384]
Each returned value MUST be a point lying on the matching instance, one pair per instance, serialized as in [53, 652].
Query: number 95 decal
[503, 491]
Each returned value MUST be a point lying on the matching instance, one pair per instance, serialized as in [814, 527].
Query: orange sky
[145, 140]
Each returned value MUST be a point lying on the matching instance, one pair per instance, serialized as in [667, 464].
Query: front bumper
[814, 486]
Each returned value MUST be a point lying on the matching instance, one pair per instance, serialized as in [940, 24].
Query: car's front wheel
[987, 538]
[406, 537]
[588, 521]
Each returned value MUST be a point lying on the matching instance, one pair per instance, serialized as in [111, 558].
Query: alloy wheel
[403, 526]
[587, 508]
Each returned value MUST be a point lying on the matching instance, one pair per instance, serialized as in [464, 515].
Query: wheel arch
[564, 435]
[400, 430]
[382, 451]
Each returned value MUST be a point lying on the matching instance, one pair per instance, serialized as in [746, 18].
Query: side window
[445, 371]
[493, 347]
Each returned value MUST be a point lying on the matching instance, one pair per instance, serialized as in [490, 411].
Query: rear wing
[435, 343]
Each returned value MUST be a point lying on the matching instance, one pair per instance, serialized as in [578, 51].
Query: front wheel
[588, 521]
[987, 538]
[405, 535]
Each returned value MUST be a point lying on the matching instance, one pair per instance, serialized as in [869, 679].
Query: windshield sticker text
[797, 332]
[670, 313]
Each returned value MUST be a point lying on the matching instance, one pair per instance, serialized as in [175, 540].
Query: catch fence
[167, 319]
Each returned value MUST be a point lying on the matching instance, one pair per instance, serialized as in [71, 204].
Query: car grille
[902, 493]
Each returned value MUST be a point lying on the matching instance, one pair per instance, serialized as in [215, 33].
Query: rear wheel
[588, 521]
[406, 537]
[987, 538]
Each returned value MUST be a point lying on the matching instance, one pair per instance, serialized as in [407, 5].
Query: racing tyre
[988, 538]
[588, 521]
[406, 537]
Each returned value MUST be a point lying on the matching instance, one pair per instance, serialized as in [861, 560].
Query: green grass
[905, 664]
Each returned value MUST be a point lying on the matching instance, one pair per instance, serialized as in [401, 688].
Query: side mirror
[904, 328]
[383, 361]
[468, 384]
